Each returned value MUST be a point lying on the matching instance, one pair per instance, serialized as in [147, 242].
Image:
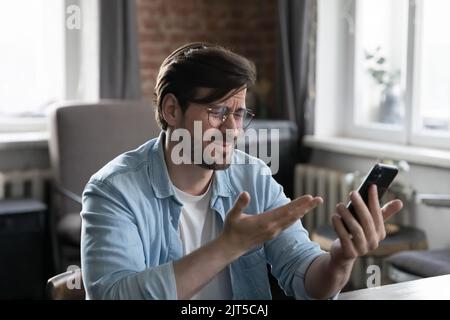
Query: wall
[248, 27]
[434, 221]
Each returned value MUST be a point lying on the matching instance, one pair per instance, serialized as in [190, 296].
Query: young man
[155, 227]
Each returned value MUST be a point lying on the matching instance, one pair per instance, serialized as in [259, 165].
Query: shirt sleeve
[291, 253]
[112, 256]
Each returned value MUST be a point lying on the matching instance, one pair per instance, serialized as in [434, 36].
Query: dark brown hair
[198, 65]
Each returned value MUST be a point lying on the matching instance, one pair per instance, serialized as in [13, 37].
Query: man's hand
[330, 272]
[365, 235]
[243, 231]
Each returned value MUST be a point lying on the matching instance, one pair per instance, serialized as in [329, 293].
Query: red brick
[248, 27]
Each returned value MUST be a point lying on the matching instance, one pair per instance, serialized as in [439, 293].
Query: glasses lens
[247, 119]
[219, 115]
[216, 116]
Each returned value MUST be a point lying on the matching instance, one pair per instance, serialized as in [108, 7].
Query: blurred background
[347, 84]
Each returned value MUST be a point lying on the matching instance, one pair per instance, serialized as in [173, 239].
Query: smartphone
[382, 175]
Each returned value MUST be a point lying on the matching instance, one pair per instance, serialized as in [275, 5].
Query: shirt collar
[160, 180]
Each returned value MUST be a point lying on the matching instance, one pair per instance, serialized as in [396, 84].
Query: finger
[281, 211]
[344, 236]
[365, 217]
[284, 216]
[377, 216]
[296, 213]
[305, 207]
[301, 206]
[391, 208]
[239, 206]
[294, 210]
[374, 207]
[354, 228]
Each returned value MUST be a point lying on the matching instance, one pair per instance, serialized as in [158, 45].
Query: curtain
[119, 58]
[296, 62]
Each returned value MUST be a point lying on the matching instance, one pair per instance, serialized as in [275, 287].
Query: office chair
[83, 138]
[66, 286]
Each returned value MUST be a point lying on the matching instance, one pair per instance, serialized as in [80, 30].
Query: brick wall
[248, 27]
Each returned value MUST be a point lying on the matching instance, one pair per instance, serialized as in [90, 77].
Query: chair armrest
[68, 194]
[435, 200]
[66, 286]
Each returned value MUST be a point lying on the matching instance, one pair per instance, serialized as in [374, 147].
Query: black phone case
[382, 175]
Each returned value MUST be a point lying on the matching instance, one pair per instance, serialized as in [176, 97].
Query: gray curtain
[296, 62]
[119, 58]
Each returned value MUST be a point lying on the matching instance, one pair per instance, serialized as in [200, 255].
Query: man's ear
[170, 109]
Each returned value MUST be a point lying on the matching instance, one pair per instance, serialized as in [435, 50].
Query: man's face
[218, 137]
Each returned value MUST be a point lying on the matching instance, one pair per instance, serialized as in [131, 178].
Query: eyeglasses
[217, 115]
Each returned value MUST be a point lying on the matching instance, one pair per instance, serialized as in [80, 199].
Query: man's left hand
[364, 234]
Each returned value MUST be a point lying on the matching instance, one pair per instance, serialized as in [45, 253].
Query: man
[155, 227]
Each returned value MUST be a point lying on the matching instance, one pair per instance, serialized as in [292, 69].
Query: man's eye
[240, 113]
[219, 111]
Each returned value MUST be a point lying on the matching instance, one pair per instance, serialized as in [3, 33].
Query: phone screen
[382, 175]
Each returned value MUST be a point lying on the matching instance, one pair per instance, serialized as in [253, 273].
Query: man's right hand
[243, 231]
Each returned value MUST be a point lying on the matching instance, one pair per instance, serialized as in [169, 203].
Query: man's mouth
[224, 145]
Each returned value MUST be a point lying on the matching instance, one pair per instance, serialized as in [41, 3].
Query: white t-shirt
[197, 226]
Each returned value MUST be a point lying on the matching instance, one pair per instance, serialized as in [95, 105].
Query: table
[433, 288]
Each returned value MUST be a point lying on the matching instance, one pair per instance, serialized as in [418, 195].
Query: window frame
[84, 62]
[418, 136]
[20, 124]
[410, 133]
[372, 131]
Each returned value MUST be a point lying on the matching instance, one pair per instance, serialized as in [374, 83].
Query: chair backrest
[84, 137]
[66, 286]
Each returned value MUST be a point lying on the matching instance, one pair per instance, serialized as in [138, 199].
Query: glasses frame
[209, 109]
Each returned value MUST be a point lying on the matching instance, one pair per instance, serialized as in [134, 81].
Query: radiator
[31, 183]
[333, 186]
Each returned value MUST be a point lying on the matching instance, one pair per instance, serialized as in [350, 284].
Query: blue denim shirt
[129, 229]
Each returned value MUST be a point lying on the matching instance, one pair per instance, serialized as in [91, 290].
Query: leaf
[368, 55]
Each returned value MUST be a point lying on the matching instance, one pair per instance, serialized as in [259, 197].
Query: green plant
[377, 68]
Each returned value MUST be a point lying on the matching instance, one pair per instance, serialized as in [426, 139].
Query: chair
[412, 265]
[66, 286]
[416, 264]
[83, 138]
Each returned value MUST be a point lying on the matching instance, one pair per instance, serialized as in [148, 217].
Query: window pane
[31, 56]
[434, 64]
[380, 61]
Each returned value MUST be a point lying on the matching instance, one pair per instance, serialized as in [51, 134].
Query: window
[44, 60]
[431, 96]
[400, 72]
[32, 59]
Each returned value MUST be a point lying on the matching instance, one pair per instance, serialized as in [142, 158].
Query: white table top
[433, 288]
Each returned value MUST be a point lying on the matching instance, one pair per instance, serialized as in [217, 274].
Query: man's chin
[221, 161]
[214, 166]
